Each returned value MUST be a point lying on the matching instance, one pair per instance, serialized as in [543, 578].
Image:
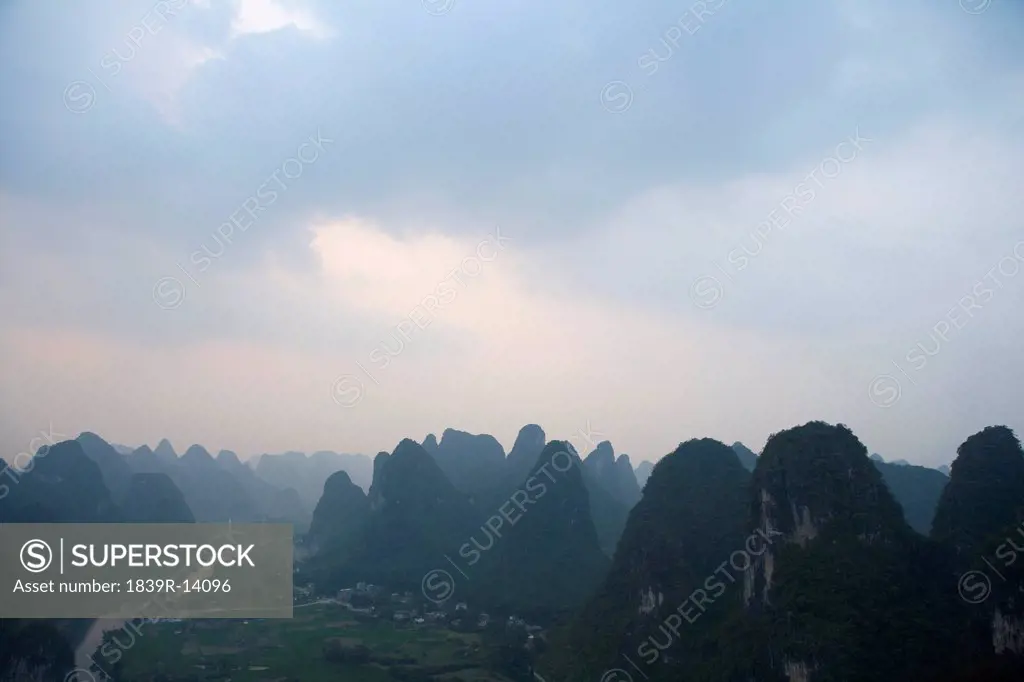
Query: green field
[294, 650]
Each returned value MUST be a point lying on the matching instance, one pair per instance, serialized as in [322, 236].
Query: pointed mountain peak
[116, 471]
[530, 436]
[643, 472]
[91, 438]
[604, 453]
[339, 513]
[408, 472]
[525, 451]
[985, 492]
[430, 444]
[817, 474]
[817, 480]
[409, 450]
[228, 457]
[748, 458]
[339, 480]
[197, 453]
[164, 450]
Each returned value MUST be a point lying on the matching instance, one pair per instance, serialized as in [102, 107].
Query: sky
[270, 225]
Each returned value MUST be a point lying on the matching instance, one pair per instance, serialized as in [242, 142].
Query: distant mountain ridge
[478, 467]
[65, 485]
[307, 474]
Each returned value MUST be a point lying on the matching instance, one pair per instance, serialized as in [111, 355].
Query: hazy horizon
[272, 225]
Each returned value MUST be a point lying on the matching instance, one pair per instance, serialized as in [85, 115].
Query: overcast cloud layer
[267, 225]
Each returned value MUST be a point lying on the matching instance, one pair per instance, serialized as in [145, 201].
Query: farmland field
[297, 651]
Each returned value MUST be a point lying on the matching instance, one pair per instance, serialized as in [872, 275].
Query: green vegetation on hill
[540, 556]
[691, 519]
[845, 592]
[985, 490]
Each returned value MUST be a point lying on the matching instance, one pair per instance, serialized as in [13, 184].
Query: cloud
[445, 127]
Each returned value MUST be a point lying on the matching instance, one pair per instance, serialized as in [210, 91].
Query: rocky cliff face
[817, 479]
[848, 591]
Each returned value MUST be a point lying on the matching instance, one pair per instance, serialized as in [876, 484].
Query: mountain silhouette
[117, 474]
[615, 475]
[539, 554]
[748, 458]
[643, 472]
[985, 492]
[63, 485]
[474, 464]
[274, 505]
[917, 489]
[338, 518]
[414, 515]
[154, 498]
[307, 475]
[525, 451]
[691, 518]
[848, 589]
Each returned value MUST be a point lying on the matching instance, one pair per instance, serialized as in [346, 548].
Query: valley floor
[296, 650]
